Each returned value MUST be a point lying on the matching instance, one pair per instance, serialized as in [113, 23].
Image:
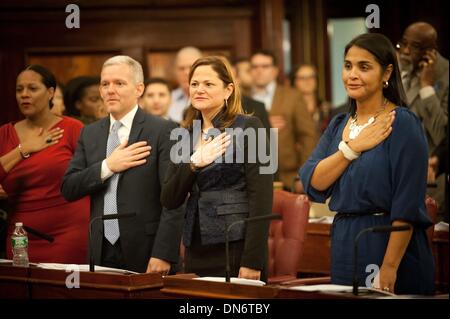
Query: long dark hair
[383, 51]
[48, 79]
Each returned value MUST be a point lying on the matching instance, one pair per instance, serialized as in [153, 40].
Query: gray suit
[432, 111]
[154, 231]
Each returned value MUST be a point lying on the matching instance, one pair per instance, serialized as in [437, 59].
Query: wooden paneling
[67, 66]
[309, 41]
[161, 64]
[271, 16]
[141, 29]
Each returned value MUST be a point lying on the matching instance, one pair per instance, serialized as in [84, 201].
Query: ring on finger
[49, 140]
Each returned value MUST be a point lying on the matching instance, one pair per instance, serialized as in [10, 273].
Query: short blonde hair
[135, 66]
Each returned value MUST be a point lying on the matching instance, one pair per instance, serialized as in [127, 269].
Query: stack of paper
[441, 226]
[72, 267]
[234, 280]
[336, 288]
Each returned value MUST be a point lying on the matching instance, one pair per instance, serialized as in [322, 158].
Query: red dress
[33, 188]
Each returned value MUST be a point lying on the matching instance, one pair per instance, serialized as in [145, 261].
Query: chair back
[286, 236]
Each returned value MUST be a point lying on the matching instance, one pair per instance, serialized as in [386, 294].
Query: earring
[226, 103]
[386, 84]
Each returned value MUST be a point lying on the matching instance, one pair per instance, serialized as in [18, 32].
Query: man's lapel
[277, 101]
[102, 138]
[137, 126]
[413, 91]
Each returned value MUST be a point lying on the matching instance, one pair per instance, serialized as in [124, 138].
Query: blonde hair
[234, 107]
[135, 66]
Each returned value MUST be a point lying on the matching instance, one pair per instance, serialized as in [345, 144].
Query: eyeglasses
[413, 46]
[305, 77]
[262, 66]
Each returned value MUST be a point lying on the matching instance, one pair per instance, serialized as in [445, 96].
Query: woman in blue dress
[372, 162]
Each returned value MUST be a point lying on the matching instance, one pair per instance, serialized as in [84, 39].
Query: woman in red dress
[34, 154]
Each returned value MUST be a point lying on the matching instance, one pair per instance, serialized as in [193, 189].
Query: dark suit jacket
[257, 109]
[154, 231]
[222, 193]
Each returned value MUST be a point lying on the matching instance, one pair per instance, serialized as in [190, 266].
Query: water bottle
[20, 246]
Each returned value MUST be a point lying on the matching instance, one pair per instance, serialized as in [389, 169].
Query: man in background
[156, 98]
[180, 96]
[425, 76]
[297, 136]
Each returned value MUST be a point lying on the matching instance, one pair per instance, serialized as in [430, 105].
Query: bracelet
[192, 165]
[22, 153]
[348, 152]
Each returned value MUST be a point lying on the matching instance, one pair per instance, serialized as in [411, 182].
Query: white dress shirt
[124, 134]
[180, 102]
[266, 96]
[424, 92]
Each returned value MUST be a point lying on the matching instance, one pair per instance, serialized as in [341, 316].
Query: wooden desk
[185, 286]
[14, 282]
[38, 283]
[46, 283]
[440, 252]
[316, 258]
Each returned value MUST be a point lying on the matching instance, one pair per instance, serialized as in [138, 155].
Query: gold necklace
[355, 129]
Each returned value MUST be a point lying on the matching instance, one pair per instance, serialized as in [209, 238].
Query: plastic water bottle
[20, 246]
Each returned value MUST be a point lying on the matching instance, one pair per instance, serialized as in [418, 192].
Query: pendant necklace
[205, 135]
[355, 129]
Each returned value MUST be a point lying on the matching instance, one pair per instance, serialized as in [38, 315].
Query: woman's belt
[361, 214]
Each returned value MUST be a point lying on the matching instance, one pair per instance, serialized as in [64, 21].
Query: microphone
[39, 234]
[103, 217]
[246, 220]
[375, 229]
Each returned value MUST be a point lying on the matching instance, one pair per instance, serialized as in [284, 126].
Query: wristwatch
[22, 153]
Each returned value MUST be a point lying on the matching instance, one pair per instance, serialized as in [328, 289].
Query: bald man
[425, 78]
[180, 96]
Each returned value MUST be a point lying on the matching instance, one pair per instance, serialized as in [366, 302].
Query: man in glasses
[425, 77]
[297, 136]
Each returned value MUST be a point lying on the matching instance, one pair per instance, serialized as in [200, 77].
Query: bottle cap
[19, 224]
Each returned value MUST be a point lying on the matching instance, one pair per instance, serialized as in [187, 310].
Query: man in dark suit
[120, 162]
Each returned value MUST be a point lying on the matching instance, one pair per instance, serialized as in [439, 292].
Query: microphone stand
[376, 229]
[227, 249]
[103, 217]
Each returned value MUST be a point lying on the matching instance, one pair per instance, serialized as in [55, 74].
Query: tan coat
[298, 138]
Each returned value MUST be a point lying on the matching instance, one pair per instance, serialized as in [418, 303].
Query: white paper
[335, 288]
[441, 226]
[72, 267]
[322, 220]
[234, 280]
